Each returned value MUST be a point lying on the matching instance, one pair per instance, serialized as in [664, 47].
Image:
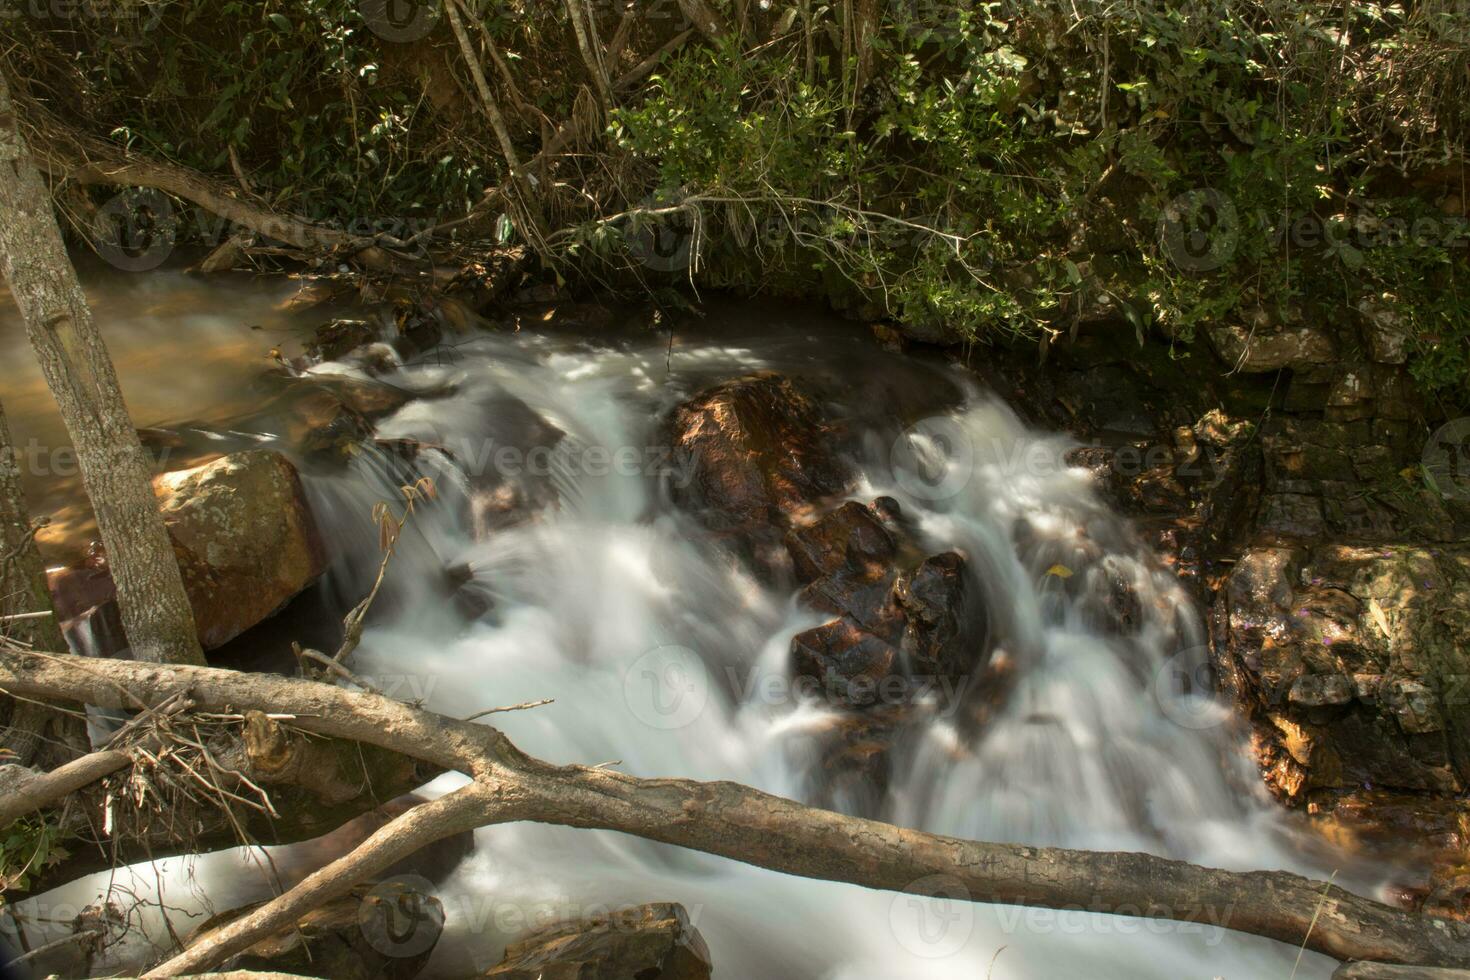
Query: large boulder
[758, 453]
[245, 540]
[244, 537]
[649, 942]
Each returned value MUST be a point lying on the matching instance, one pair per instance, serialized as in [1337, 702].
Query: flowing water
[665, 657]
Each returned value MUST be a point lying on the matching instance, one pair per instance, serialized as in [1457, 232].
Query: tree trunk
[115, 471]
[732, 821]
[32, 732]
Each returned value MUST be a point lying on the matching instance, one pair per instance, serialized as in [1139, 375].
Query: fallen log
[732, 821]
[1384, 971]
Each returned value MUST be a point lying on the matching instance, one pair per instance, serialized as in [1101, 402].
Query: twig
[20, 617]
[514, 707]
[85, 936]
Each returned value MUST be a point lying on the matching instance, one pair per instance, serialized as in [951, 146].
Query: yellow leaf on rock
[1060, 571]
[1376, 611]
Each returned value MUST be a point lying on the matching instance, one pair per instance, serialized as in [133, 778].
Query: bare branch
[747, 825]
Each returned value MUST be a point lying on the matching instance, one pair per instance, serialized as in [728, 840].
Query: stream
[666, 658]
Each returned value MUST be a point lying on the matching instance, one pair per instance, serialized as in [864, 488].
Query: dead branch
[67, 154]
[581, 24]
[455, 813]
[26, 790]
[743, 824]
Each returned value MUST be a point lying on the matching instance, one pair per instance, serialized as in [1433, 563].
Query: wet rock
[245, 539]
[648, 942]
[1351, 395]
[335, 339]
[854, 752]
[384, 931]
[897, 631]
[848, 663]
[326, 418]
[759, 453]
[1292, 515]
[1353, 663]
[942, 616]
[511, 472]
[850, 541]
[309, 294]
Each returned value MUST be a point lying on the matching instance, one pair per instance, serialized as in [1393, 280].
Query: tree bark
[747, 825]
[75, 362]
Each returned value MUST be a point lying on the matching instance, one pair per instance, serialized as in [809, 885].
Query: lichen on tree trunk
[75, 362]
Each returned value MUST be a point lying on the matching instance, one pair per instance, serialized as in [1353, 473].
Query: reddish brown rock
[245, 539]
[850, 541]
[759, 453]
[1352, 662]
[923, 627]
[847, 662]
[648, 942]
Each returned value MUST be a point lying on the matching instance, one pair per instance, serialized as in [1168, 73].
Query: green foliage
[1000, 167]
[26, 847]
[295, 92]
[1054, 138]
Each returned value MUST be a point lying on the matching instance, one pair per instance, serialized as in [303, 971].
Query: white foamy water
[665, 658]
